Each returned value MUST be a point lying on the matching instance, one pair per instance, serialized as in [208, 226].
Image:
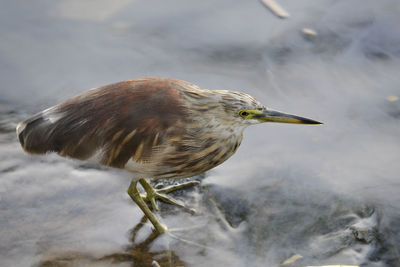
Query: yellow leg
[134, 193]
[153, 194]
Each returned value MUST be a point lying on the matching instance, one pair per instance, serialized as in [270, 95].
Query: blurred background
[291, 195]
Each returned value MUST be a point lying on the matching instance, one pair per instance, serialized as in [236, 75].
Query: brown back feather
[125, 120]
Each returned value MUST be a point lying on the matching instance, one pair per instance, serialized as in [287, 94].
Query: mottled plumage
[152, 127]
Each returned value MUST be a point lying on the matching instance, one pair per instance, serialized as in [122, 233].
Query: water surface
[329, 193]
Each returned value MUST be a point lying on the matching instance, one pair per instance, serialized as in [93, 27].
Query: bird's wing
[112, 123]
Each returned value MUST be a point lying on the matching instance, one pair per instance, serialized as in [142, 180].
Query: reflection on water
[328, 193]
[241, 228]
[134, 254]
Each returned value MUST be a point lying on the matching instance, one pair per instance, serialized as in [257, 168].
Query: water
[329, 193]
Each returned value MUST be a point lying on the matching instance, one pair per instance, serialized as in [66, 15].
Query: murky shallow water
[328, 193]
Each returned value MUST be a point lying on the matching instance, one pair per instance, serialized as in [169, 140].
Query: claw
[153, 194]
[171, 188]
[153, 203]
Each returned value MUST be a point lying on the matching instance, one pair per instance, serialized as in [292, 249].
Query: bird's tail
[34, 134]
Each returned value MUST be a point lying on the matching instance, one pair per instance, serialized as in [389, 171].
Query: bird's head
[247, 111]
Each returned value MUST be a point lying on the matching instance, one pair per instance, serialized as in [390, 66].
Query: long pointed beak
[276, 116]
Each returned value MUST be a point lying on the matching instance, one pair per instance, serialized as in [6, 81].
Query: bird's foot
[133, 192]
[159, 194]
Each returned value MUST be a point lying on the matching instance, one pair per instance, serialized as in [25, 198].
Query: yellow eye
[243, 113]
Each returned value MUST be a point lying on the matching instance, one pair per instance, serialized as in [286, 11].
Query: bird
[151, 127]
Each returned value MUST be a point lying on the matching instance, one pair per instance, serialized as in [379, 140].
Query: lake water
[329, 194]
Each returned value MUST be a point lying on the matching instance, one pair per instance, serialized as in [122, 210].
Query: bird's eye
[243, 114]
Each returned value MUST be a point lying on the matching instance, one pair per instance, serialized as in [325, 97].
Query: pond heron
[152, 127]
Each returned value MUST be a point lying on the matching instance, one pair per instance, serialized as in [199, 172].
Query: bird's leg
[153, 194]
[134, 193]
